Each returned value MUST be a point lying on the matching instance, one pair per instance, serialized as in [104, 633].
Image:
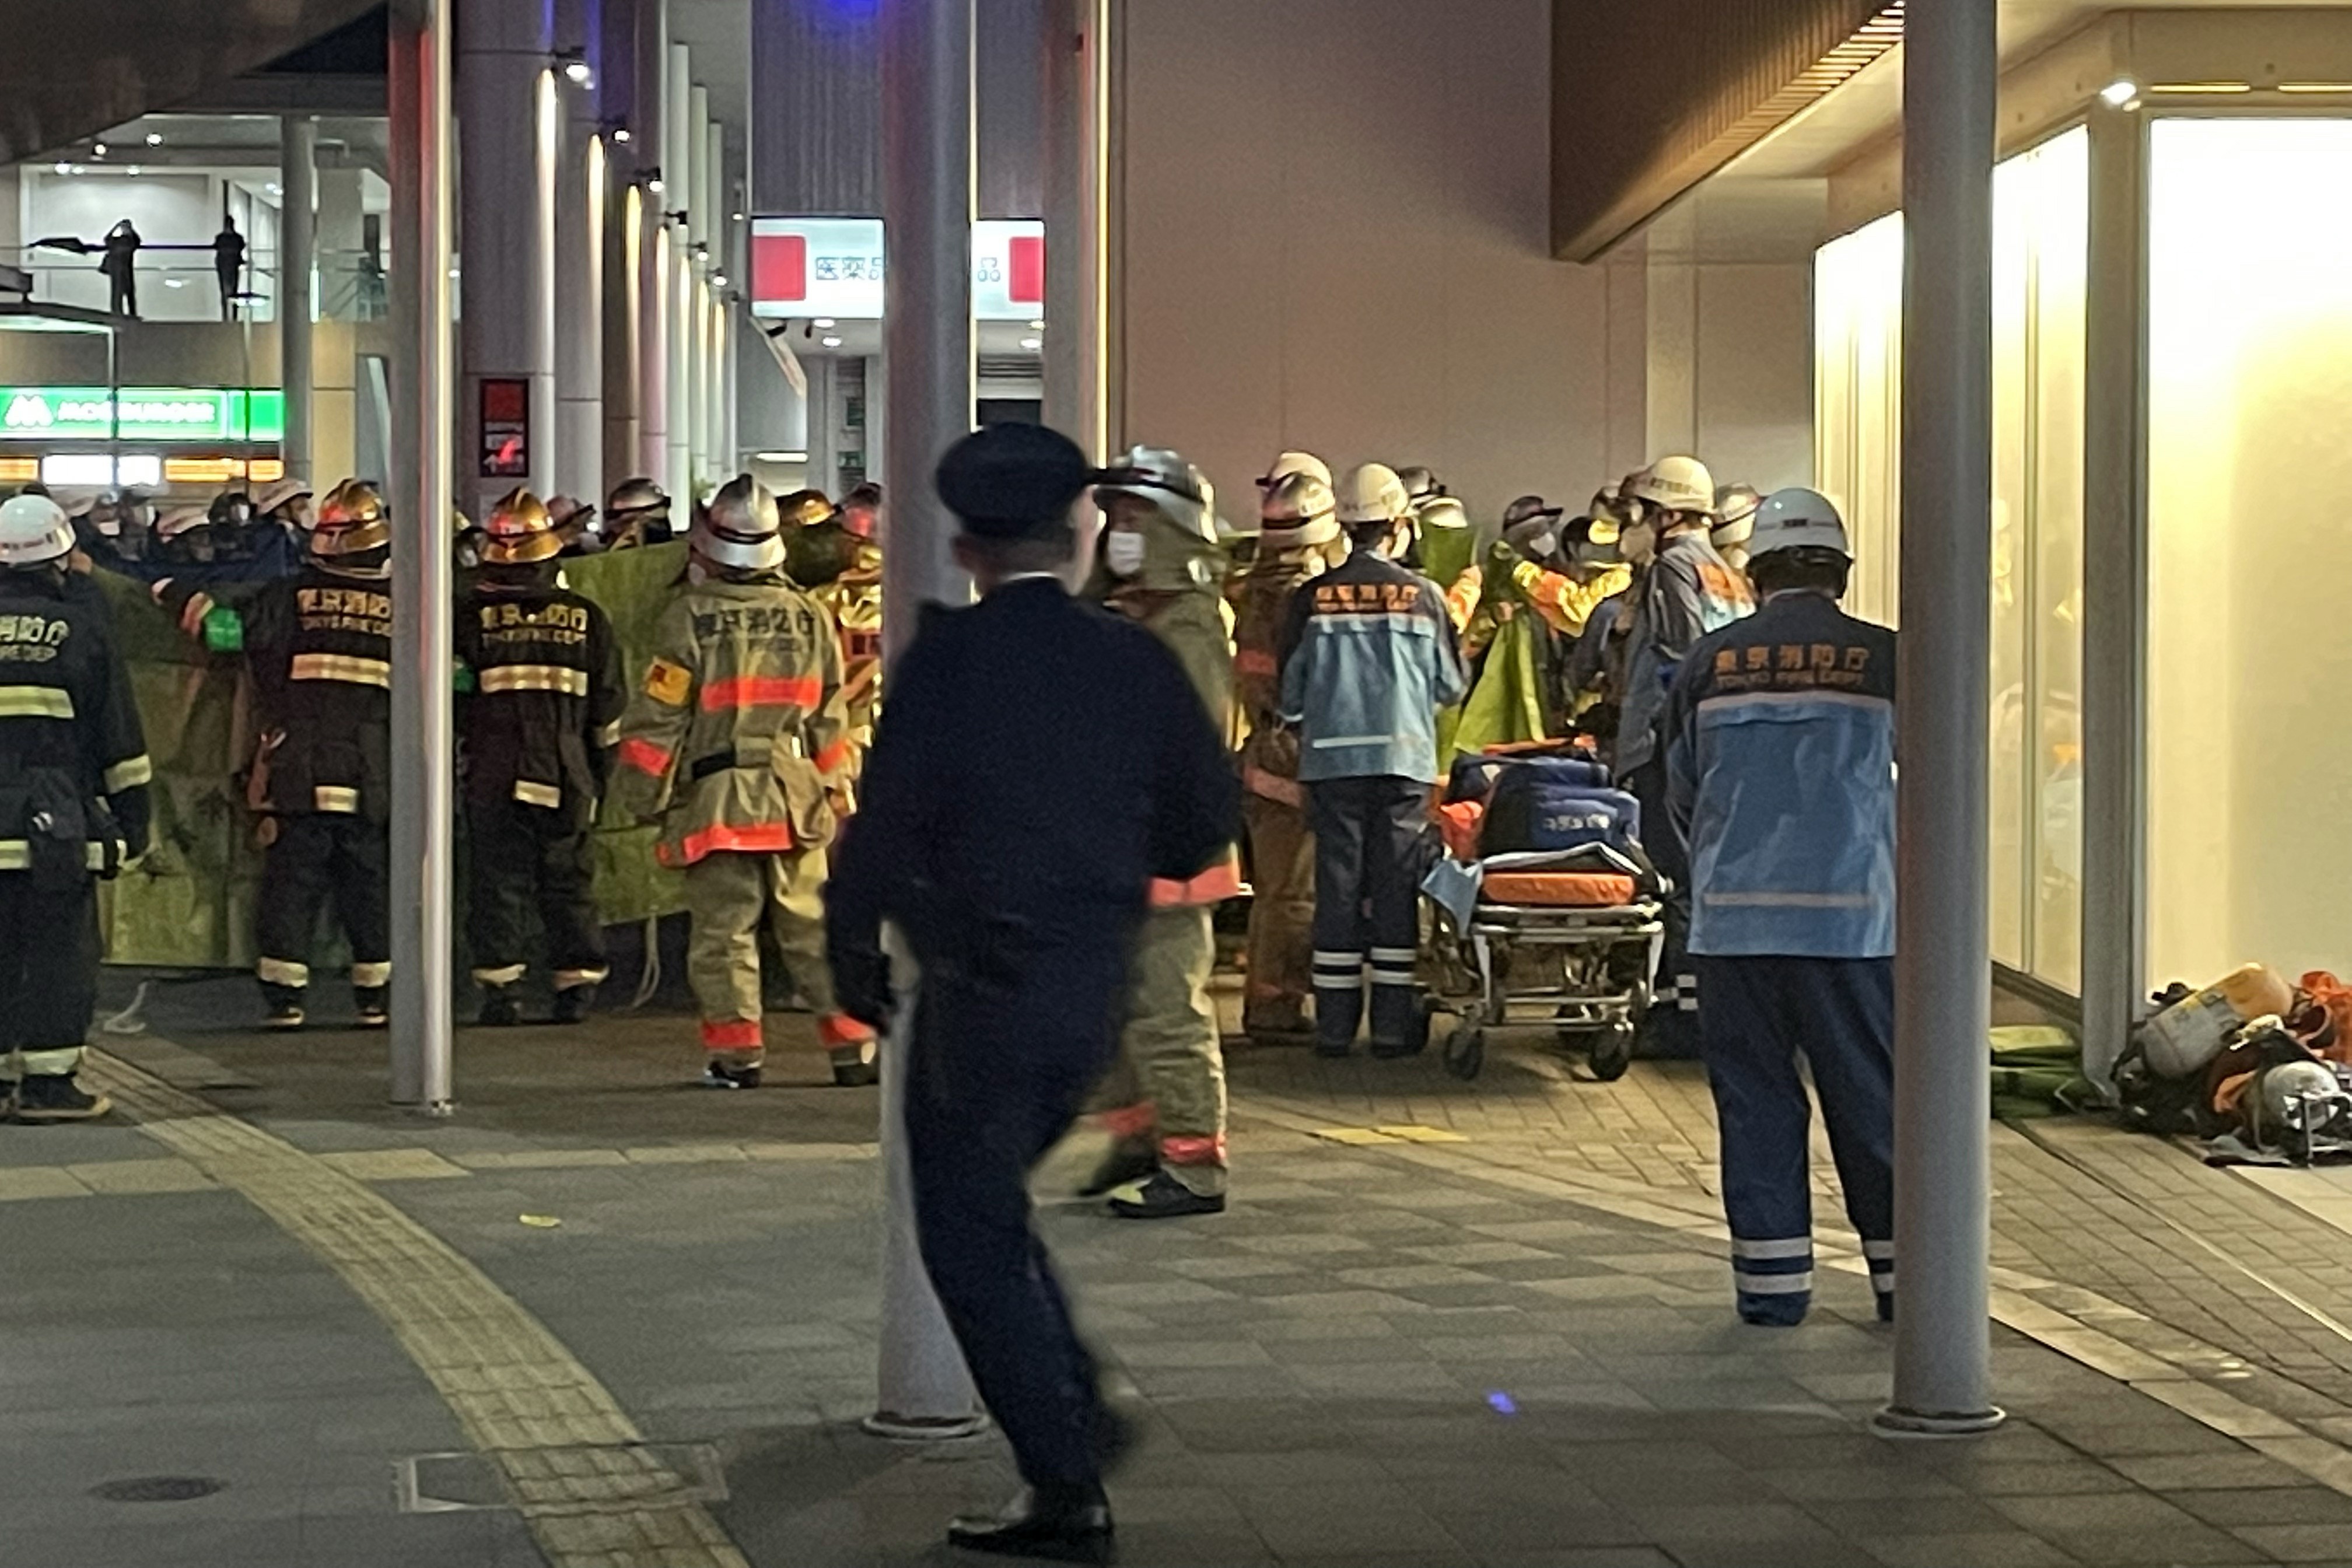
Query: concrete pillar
[927, 158]
[1076, 38]
[616, 93]
[423, 782]
[580, 187]
[506, 103]
[679, 157]
[649, 123]
[298, 180]
[715, 228]
[1943, 1377]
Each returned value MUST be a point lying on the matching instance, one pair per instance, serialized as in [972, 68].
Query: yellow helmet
[351, 522]
[520, 531]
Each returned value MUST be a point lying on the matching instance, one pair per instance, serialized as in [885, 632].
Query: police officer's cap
[1013, 481]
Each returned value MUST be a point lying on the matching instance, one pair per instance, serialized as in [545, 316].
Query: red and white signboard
[835, 266]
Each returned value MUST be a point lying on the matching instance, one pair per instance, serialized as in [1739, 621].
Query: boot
[55, 1096]
[574, 1003]
[1127, 1161]
[1061, 1524]
[1162, 1196]
[499, 1008]
[285, 1006]
[856, 1056]
[718, 1074]
[374, 1005]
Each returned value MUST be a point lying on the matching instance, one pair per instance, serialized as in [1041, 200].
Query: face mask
[1544, 546]
[1123, 553]
[1638, 543]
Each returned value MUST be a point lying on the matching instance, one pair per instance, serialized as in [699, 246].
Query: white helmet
[738, 529]
[1296, 512]
[1162, 480]
[1675, 484]
[1441, 511]
[1289, 463]
[1372, 493]
[34, 531]
[1797, 519]
[1735, 514]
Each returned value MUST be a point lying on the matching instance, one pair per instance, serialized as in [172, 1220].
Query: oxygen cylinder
[2191, 1032]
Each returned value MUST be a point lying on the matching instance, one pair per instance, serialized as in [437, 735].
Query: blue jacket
[1368, 659]
[1687, 592]
[1780, 771]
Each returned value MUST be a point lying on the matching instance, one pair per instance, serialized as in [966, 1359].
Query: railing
[181, 284]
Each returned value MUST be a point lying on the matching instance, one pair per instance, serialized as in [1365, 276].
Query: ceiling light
[577, 73]
[154, 138]
[97, 148]
[1036, 326]
[822, 321]
[655, 184]
[620, 133]
[830, 343]
[65, 168]
[132, 170]
[738, 216]
[274, 188]
[1032, 343]
[718, 281]
[2117, 93]
[2315, 87]
[2229, 87]
[175, 282]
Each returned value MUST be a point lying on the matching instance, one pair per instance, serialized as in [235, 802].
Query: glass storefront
[2041, 220]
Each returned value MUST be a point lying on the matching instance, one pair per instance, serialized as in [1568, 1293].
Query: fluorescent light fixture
[2215, 88]
[134, 169]
[2315, 87]
[175, 282]
[2119, 92]
[821, 323]
[142, 468]
[1032, 343]
[779, 457]
[830, 343]
[78, 468]
[154, 138]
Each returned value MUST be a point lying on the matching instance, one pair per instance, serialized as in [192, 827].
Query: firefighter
[1299, 540]
[1779, 733]
[1161, 567]
[737, 741]
[542, 673]
[319, 645]
[1370, 657]
[73, 805]
[834, 558]
[636, 513]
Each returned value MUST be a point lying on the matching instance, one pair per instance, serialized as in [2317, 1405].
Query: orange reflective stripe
[1130, 1121]
[841, 1029]
[1193, 1150]
[731, 1034]
[762, 691]
[833, 757]
[646, 757]
[1218, 883]
[767, 838]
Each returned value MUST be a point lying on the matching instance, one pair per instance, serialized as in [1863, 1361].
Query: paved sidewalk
[1442, 1324]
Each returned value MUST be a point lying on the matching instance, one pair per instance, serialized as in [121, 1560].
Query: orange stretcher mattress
[1556, 890]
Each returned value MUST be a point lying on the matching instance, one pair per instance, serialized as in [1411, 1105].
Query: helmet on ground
[1289, 463]
[1797, 519]
[1419, 482]
[350, 523]
[1372, 493]
[1164, 480]
[802, 508]
[635, 495]
[738, 529]
[1675, 484]
[1441, 511]
[2298, 1096]
[1529, 508]
[34, 531]
[520, 531]
[279, 493]
[1298, 512]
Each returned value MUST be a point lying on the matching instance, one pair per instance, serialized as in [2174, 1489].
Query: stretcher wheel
[1465, 1051]
[1612, 1052]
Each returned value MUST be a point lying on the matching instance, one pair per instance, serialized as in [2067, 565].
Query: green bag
[2037, 1070]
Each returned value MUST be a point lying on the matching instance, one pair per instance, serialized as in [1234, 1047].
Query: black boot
[1128, 1160]
[499, 1008]
[374, 1005]
[1164, 1197]
[855, 1065]
[55, 1096]
[285, 1005]
[720, 1074]
[1060, 1524]
[574, 1003]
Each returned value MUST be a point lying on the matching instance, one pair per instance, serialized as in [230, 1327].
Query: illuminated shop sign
[210, 414]
[803, 268]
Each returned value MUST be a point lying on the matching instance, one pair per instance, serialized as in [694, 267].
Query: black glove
[861, 986]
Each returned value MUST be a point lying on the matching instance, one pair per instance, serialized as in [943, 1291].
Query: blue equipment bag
[1474, 778]
[1535, 808]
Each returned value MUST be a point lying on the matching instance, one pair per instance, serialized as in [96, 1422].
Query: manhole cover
[158, 1489]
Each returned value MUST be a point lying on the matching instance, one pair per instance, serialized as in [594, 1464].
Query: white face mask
[1123, 553]
[1544, 545]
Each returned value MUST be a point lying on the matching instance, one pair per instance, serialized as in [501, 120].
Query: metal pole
[1077, 32]
[298, 185]
[424, 801]
[580, 185]
[927, 199]
[1951, 71]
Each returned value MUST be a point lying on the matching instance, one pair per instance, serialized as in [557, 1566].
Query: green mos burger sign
[179, 414]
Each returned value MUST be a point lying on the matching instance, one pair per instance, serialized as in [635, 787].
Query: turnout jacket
[1780, 770]
[1685, 593]
[1261, 613]
[1369, 658]
[74, 770]
[737, 730]
[544, 692]
[319, 645]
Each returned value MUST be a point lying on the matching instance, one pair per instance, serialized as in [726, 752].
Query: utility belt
[759, 754]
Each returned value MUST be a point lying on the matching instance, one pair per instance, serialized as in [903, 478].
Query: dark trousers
[1673, 1027]
[1761, 1015]
[227, 275]
[1371, 839]
[998, 1071]
[48, 970]
[526, 861]
[318, 857]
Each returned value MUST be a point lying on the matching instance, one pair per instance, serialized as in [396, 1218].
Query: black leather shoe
[1124, 1162]
[1074, 1529]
